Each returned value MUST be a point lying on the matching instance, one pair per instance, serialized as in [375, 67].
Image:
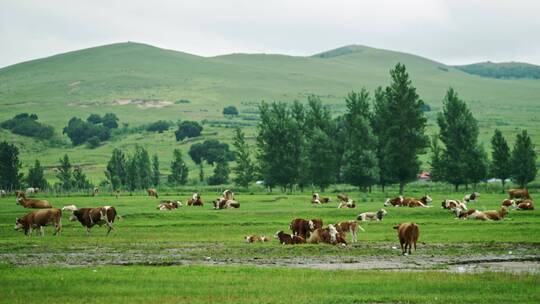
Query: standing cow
[152, 192]
[39, 219]
[89, 217]
[408, 234]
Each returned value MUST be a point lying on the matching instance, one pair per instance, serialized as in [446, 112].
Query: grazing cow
[349, 226]
[519, 193]
[255, 238]
[453, 204]
[169, 205]
[525, 205]
[39, 219]
[3, 193]
[195, 200]
[32, 190]
[95, 192]
[152, 192]
[508, 203]
[469, 198]
[287, 239]
[89, 217]
[372, 216]
[408, 234]
[316, 199]
[32, 203]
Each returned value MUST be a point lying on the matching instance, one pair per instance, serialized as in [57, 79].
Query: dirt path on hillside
[457, 264]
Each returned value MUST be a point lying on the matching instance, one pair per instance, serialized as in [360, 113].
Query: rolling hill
[141, 84]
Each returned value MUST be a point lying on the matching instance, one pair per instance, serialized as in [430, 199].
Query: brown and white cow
[372, 216]
[489, 215]
[345, 201]
[508, 203]
[32, 190]
[228, 195]
[39, 219]
[95, 191]
[423, 202]
[453, 204]
[169, 205]
[470, 198]
[287, 239]
[316, 199]
[2, 193]
[195, 200]
[463, 214]
[256, 238]
[304, 227]
[89, 217]
[329, 235]
[408, 234]
[152, 192]
[519, 193]
[396, 201]
[32, 203]
[221, 203]
[525, 205]
[349, 226]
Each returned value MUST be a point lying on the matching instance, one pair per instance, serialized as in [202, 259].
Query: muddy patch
[143, 103]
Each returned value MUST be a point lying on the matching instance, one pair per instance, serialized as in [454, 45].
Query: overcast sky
[452, 32]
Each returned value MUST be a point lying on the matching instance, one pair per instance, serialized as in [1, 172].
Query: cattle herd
[311, 231]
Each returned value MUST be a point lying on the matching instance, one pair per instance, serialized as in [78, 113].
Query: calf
[408, 234]
[152, 192]
[525, 205]
[32, 203]
[169, 205]
[89, 217]
[372, 216]
[471, 197]
[287, 239]
[255, 238]
[39, 219]
[508, 203]
[349, 226]
[519, 193]
[195, 200]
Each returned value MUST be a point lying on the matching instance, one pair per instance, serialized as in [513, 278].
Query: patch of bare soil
[142, 103]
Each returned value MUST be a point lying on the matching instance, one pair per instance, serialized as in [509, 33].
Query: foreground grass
[198, 284]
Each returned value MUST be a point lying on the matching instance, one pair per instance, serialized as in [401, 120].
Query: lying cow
[222, 203]
[255, 238]
[195, 200]
[409, 202]
[316, 199]
[525, 205]
[287, 239]
[345, 201]
[304, 227]
[453, 204]
[489, 215]
[32, 190]
[152, 192]
[519, 193]
[408, 234]
[508, 203]
[228, 195]
[39, 219]
[329, 235]
[89, 217]
[372, 216]
[169, 205]
[469, 198]
[32, 203]
[463, 214]
[349, 226]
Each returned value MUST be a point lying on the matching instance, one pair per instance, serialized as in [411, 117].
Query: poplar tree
[523, 160]
[378, 124]
[35, 176]
[155, 171]
[65, 173]
[244, 169]
[179, 169]
[501, 166]
[116, 171]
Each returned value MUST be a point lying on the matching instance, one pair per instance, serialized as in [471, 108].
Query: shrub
[93, 142]
[27, 125]
[159, 126]
[230, 110]
[188, 129]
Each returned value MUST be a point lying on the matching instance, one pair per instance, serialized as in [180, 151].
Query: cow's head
[382, 212]
[18, 224]
[264, 239]
[427, 199]
[278, 233]
[387, 202]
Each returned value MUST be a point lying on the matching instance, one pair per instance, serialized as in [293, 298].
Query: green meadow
[91, 80]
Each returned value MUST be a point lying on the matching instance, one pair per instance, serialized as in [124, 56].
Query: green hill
[502, 70]
[141, 84]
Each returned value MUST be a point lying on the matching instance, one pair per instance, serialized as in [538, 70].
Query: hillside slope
[502, 70]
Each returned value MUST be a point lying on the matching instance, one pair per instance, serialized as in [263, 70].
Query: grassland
[89, 81]
[212, 263]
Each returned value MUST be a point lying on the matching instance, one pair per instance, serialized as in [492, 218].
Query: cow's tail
[360, 227]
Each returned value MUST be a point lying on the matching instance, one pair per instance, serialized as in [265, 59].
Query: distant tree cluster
[303, 146]
[70, 177]
[230, 111]
[212, 151]
[93, 131]
[503, 70]
[28, 125]
[188, 129]
[159, 126]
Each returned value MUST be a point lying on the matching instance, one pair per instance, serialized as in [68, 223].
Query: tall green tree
[501, 166]
[300, 151]
[477, 162]
[221, 172]
[360, 157]
[179, 169]
[133, 178]
[144, 170]
[378, 124]
[459, 134]
[79, 179]
[35, 176]
[436, 162]
[116, 171]
[10, 178]
[244, 169]
[405, 124]
[155, 171]
[523, 160]
[65, 173]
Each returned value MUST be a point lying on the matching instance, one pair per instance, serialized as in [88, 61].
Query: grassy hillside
[140, 83]
[502, 70]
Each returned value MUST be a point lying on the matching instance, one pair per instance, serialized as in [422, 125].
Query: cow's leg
[110, 226]
[401, 244]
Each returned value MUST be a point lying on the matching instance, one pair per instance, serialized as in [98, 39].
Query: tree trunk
[382, 188]
[201, 173]
[401, 187]
[502, 181]
[456, 187]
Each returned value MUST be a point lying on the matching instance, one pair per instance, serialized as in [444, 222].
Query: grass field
[88, 81]
[214, 264]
